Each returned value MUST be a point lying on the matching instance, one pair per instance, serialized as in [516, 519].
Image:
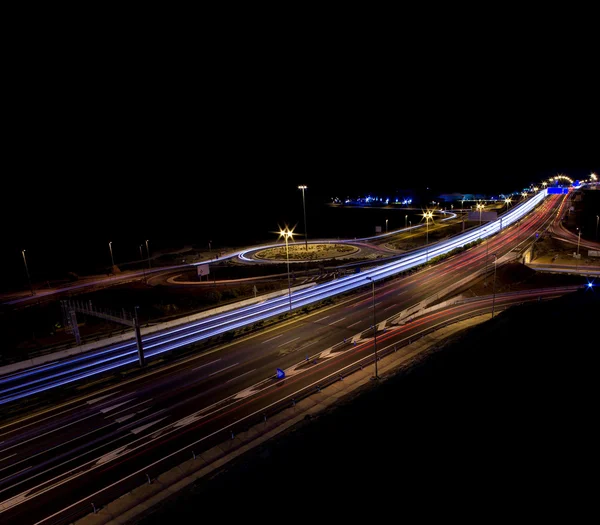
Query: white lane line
[206, 364]
[129, 408]
[376, 304]
[337, 321]
[50, 431]
[287, 342]
[354, 323]
[319, 320]
[218, 371]
[108, 409]
[15, 473]
[391, 306]
[144, 427]
[240, 376]
[124, 418]
[37, 421]
[92, 401]
[62, 444]
[272, 338]
[8, 456]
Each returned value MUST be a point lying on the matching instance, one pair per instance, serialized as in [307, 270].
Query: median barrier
[130, 335]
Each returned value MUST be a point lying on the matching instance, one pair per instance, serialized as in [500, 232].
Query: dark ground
[497, 425]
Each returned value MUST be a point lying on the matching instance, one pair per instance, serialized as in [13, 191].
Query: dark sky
[104, 142]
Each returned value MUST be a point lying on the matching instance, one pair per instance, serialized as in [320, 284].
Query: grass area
[301, 253]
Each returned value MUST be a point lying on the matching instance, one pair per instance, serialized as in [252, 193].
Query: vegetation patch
[301, 253]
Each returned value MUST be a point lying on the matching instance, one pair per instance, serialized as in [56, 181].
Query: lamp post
[577, 258]
[597, 219]
[286, 234]
[142, 258]
[27, 271]
[405, 221]
[480, 207]
[148, 253]
[386, 223]
[376, 376]
[304, 209]
[494, 285]
[428, 215]
[112, 260]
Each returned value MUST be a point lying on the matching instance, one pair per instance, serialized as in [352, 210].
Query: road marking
[392, 306]
[92, 401]
[337, 321]
[37, 421]
[354, 323]
[15, 473]
[144, 427]
[230, 366]
[319, 320]
[272, 338]
[132, 406]
[8, 456]
[287, 342]
[105, 410]
[50, 431]
[206, 364]
[125, 418]
[240, 376]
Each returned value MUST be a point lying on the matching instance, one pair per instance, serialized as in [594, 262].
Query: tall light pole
[304, 209]
[597, 219]
[112, 260]
[494, 286]
[405, 221]
[480, 207]
[142, 258]
[286, 234]
[463, 212]
[376, 376]
[148, 253]
[386, 223]
[427, 215]
[27, 271]
[577, 258]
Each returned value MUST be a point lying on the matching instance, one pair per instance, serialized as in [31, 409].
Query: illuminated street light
[405, 221]
[494, 285]
[427, 215]
[27, 270]
[376, 376]
[386, 223]
[111, 253]
[287, 233]
[508, 200]
[148, 253]
[304, 208]
[480, 207]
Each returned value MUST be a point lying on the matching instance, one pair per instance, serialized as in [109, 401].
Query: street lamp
[597, 218]
[480, 207]
[376, 376]
[111, 253]
[148, 253]
[386, 223]
[507, 201]
[304, 209]
[286, 234]
[494, 286]
[428, 215]
[405, 221]
[142, 258]
[27, 270]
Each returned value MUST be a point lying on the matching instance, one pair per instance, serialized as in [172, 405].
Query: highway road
[47, 377]
[63, 449]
